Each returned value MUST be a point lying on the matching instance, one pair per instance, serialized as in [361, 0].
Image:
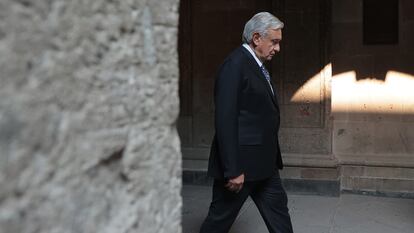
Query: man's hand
[235, 184]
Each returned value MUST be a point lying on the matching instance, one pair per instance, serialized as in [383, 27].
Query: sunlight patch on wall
[313, 90]
[395, 95]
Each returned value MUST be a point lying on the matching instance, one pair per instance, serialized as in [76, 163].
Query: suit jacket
[247, 121]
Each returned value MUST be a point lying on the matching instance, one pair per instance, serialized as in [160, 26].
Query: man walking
[245, 154]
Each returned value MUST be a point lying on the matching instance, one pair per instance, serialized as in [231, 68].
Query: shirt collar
[253, 54]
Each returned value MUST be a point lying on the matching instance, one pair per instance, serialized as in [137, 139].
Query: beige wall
[372, 101]
[88, 104]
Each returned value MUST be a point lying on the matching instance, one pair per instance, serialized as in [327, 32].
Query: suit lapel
[275, 100]
[255, 67]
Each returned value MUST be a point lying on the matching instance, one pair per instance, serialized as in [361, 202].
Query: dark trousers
[268, 195]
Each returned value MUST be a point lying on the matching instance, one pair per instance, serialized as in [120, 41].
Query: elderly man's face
[267, 46]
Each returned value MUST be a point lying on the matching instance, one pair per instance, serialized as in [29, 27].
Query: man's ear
[256, 38]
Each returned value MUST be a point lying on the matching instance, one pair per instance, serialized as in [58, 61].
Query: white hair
[260, 23]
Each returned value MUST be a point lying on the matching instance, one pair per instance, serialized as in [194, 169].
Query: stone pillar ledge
[310, 160]
[383, 160]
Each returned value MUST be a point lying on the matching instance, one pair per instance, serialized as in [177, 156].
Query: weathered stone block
[88, 105]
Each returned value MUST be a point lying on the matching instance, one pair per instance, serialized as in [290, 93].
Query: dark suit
[246, 121]
[246, 142]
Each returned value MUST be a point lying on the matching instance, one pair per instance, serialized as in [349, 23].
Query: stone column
[88, 105]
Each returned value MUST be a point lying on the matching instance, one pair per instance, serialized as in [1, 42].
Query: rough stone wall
[88, 104]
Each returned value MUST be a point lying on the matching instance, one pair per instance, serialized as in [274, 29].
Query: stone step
[398, 187]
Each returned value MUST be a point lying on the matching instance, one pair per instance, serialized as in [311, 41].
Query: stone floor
[348, 213]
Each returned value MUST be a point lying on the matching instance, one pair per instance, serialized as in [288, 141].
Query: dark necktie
[267, 75]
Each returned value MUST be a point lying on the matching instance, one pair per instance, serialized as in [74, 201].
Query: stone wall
[88, 104]
[373, 102]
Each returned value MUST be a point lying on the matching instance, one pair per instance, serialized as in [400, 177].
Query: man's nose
[277, 48]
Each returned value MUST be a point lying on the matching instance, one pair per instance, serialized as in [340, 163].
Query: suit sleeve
[227, 94]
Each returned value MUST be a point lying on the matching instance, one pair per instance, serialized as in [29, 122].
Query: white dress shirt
[246, 46]
[253, 54]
